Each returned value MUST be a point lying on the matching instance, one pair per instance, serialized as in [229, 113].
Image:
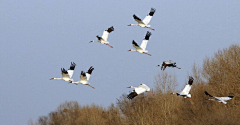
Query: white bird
[142, 48]
[103, 39]
[66, 75]
[144, 23]
[168, 64]
[220, 99]
[84, 77]
[138, 90]
[186, 90]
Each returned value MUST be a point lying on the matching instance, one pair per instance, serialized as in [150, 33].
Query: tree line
[219, 75]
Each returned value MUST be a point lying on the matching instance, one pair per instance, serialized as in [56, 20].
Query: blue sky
[38, 38]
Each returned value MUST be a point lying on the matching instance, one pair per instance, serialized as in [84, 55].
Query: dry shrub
[71, 113]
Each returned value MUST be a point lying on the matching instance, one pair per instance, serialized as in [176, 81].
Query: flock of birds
[84, 77]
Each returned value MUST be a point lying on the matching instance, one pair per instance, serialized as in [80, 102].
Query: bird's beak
[90, 41]
[129, 87]
[158, 65]
[51, 79]
[129, 50]
[129, 25]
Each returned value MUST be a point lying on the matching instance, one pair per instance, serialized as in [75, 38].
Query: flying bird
[144, 23]
[220, 99]
[186, 90]
[142, 48]
[138, 90]
[103, 39]
[84, 77]
[66, 74]
[168, 64]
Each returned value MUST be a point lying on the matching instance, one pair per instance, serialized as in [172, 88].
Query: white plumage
[185, 92]
[138, 90]
[142, 47]
[144, 23]
[103, 39]
[220, 99]
[84, 77]
[66, 75]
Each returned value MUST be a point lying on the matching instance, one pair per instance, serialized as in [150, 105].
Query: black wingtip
[90, 70]
[83, 73]
[132, 95]
[64, 71]
[148, 34]
[134, 43]
[72, 66]
[230, 96]
[136, 18]
[190, 81]
[207, 94]
[110, 29]
[152, 11]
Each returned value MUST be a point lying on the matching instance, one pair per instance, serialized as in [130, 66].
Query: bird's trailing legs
[150, 93]
[151, 28]
[91, 86]
[109, 45]
[178, 67]
[147, 53]
[190, 100]
[225, 106]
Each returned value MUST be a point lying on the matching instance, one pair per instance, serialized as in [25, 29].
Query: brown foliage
[219, 76]
[71, 113]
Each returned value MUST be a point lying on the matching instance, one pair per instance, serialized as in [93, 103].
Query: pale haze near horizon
[38, 38]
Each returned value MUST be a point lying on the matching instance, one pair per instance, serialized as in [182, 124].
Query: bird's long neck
[133, 25]
[133, 50]
[176, 94]
[57, 78]
[95, 41]
[211, 99]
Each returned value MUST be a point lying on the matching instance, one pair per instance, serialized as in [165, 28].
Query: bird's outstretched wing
[208, 94]
[135, 45]
[190, 81]
[148, 18]
[89, 72]
[145, 87]
[140, 89]
[164, 67]
[83, 75]
[137, 19]
[166, 62]
[187, 87]
[110, 29]
[132, 95]
[71, 69]
[64, 73]
[106, 33]
[145, 40]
